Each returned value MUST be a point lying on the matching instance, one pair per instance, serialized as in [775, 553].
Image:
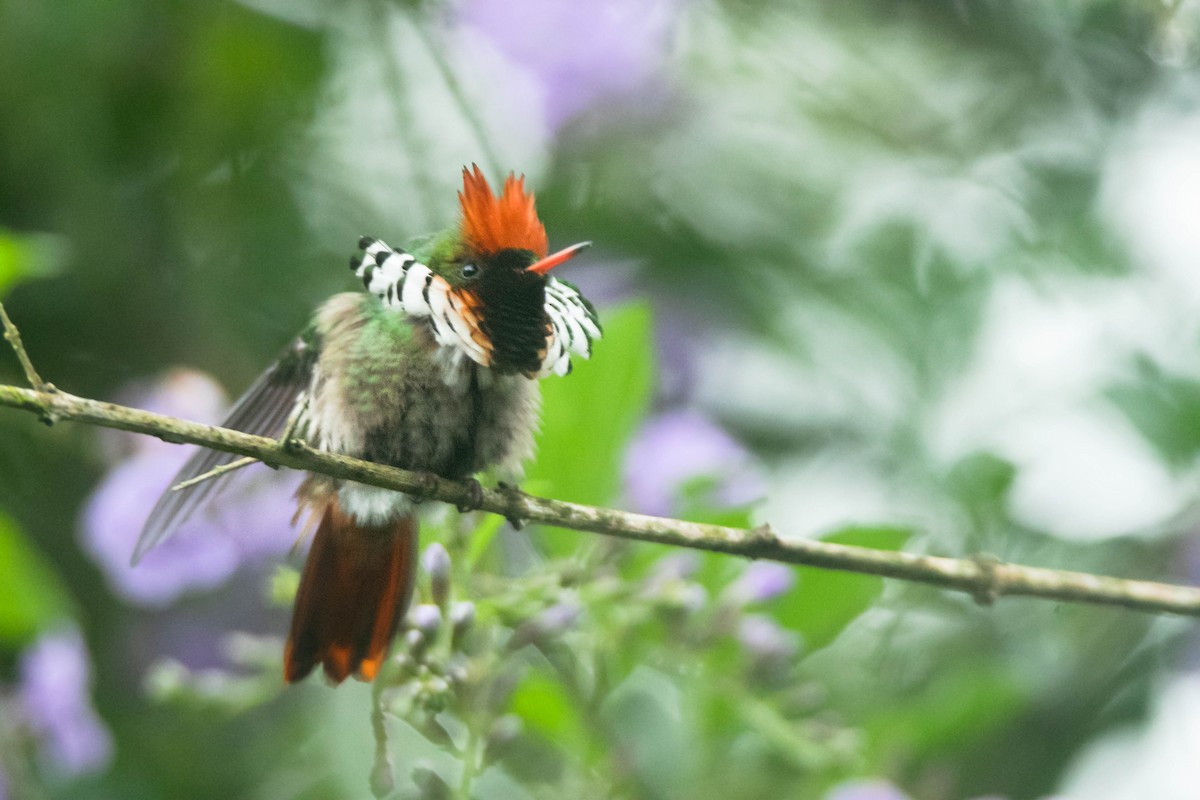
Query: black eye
[470, 270]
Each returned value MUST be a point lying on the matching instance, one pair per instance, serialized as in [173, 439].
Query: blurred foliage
[595, 412]
[931, 262]
[1165, 409]
[826, 601]
[31, 597]
[26, 257]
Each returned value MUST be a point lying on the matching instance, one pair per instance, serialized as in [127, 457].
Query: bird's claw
[426, 489]
[475, 500]
[512, 489]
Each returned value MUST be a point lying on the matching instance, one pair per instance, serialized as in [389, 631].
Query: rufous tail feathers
[356, 586]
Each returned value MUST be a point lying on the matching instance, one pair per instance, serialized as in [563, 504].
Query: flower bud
[546, 625]
[426, 618]
[456, 671]
[415, 642]
[165, 679]
[770, 648]
[502, 734]
[435, 693]
[436, 562]
[669, 589]
[865, 790]
[684, 596]
[404, 664]
[383, 778]
[762, 638]
[670, 570]
[462, 617]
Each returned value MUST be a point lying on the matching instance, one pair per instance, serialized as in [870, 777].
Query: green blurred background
[902, 274]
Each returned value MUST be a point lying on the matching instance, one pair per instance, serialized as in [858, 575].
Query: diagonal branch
[986, 579]
[14, 338]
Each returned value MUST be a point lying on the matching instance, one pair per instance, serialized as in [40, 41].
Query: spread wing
[263, 410]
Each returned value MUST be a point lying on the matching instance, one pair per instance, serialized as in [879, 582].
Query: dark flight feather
[262, 410]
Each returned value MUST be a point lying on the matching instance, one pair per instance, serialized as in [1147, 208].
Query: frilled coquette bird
[435, 368]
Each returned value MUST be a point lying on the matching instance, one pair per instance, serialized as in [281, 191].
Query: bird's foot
[426, 489]
[475, 496]
[512, 490]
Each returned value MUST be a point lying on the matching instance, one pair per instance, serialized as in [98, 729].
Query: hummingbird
[434, 368]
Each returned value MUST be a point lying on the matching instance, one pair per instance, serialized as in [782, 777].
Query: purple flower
[250, 522]
[760, 581]
[559, 617]
[673, 567]
[113, 517]
[180, 392]
[678, 447]
[579, 53]
[866, 790]
[256, 512]
[55, 678]
[194, 634]
[764, 640]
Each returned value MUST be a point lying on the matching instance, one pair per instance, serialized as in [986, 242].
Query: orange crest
[491, 224]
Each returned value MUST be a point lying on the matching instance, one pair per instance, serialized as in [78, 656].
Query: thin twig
[215, 472]
[983, 578]
[383, 778]
[14, 338]
[289, 430]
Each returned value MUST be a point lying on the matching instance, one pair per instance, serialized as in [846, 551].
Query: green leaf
[981, 482]
[481, 538]
[546, 708]
[1165, 410]
[24, 256]
[589, 415]
[696, 505]
[825, 601]
[953, 711]
[982, 479]
[646, 718]
[32, 597]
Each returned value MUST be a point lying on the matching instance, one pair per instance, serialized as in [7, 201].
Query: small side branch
[14, 338]
[215, 472]
[984, 578]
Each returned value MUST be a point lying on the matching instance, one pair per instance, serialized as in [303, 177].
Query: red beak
[554, 259]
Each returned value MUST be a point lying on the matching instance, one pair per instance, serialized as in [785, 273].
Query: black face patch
[513, 311]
